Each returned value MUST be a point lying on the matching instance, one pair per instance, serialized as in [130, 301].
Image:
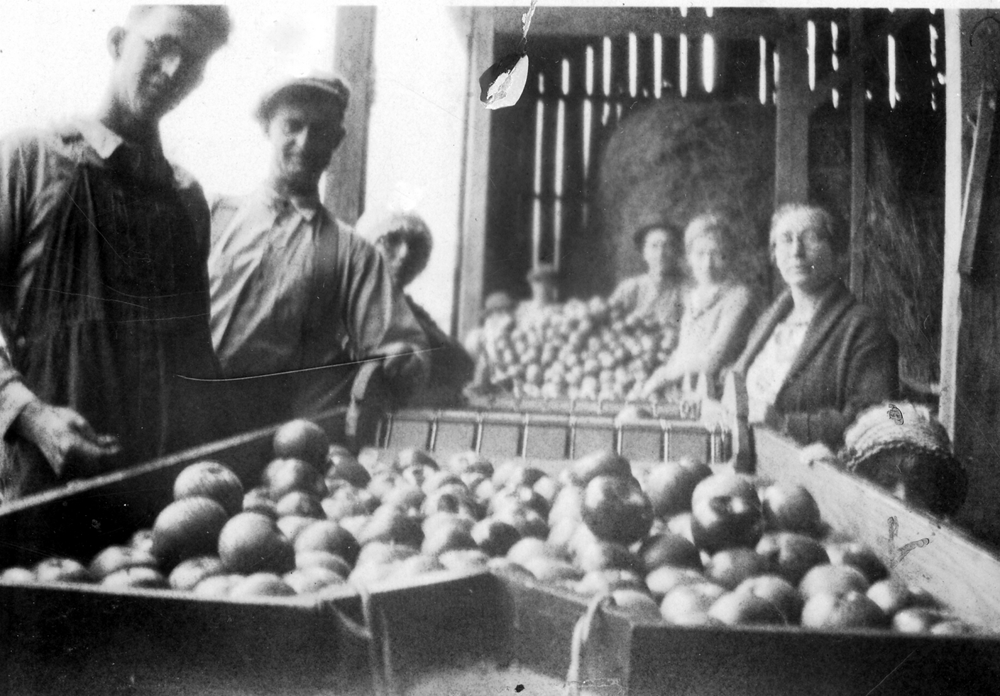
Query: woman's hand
[662, 377]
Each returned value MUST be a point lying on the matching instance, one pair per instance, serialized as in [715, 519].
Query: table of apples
[679, 548]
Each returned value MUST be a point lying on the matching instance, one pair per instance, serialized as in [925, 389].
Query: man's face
[159, 59]
[303, 135]
[396, 251]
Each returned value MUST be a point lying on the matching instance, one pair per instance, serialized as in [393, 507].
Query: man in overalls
[103, 248]
[298, 299]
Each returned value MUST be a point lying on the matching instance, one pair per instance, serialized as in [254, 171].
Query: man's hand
[64, 437]
[403, 362]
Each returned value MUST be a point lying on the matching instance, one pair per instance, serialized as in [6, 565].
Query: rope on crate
[374, 632]
[581, 634]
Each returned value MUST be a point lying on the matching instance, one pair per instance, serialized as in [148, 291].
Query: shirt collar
[105, 141]
[306, 206]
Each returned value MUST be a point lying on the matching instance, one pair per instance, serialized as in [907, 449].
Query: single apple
[665, 578]
[115, 558]
[187, 527]
[17, 575]
[135, 577]
[344, 466]
[606, 555]
[328, 536]
[192, 571]
[851, 609]
[670, 485]
[730, 567]
[859, 556]
[282, 476]
[791, 508]
[745, 608]
[792, 554]
[300, 503]
[637, 604]
[493, 536]
[261, 584]
[688, 604]
[464, 559]
[778, 591]
[832, 579]
[607, 580]
[725, 512]
[667, 548]
[211, 480]
[251, 543]
[324, 559]
[599, 463]
[302, 439]
[616, 509]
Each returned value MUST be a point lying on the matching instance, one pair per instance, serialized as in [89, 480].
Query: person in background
[405, 243]
[817, 356]
[103, 249]
[718, 310]
[904, 449]
[543, 279]
[298, 299]
[657, 294]
[481, 342]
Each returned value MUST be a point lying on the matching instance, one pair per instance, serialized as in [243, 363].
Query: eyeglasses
[809, 239]
[170, 48]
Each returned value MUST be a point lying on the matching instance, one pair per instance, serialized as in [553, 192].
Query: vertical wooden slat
[859, 153]
[791, 182]
[475, 178]
[353, 50]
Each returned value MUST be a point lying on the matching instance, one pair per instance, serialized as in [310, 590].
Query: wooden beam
[951, 304]
[353, 58]
[794, 105]
[475, 178]
[741, 23]
[859, 149]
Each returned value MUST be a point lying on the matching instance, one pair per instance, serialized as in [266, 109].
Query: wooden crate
[550, 436]
[65, 638]
[650, 658]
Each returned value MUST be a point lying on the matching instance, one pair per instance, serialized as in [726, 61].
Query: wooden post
[970, 371]
[791, 165]
[475, 178]
[859, 151]
[353, 57]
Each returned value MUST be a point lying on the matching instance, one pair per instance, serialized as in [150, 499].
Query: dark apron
[114, 313]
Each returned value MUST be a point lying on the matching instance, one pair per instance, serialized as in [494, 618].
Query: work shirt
[294, 288]
[104, 304]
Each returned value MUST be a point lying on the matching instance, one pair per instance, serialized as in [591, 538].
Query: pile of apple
[318, 520]
[690, 547]
[578, 350]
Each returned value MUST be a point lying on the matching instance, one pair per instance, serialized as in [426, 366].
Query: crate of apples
[689, 547]
[577, 350]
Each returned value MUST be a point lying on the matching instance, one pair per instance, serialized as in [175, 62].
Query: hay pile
[670, 160]
[902, 256]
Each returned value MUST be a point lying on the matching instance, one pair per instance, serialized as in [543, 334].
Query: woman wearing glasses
[817, 356]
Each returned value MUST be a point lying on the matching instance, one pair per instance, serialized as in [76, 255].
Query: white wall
[54, 63]
[416, 134]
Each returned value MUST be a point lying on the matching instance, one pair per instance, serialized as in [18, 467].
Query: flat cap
[323, 86]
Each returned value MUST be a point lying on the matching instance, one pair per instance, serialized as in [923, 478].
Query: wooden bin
[649, 658]
[550, 436]
[60, 639]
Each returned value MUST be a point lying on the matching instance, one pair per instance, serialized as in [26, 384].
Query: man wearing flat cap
[103, 248]
[298, 298]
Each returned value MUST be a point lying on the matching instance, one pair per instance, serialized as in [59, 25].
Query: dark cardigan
[848, 361]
